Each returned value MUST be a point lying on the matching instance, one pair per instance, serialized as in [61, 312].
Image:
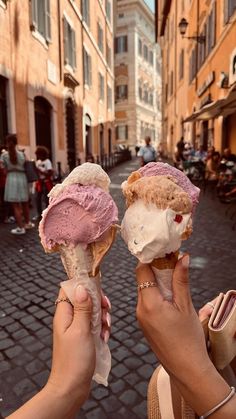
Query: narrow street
[29, 286]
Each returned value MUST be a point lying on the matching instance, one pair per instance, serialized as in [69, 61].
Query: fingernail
[108, 319]
[81, 294]
[108, 302]
[185, 261]
[106, 336]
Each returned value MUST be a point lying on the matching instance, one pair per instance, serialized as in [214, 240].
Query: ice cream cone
[163, 269]
[83, 268]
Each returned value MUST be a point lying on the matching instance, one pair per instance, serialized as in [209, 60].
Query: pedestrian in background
[147, 153]
[16, 187]
[44, 184]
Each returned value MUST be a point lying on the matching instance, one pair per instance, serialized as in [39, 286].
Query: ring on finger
[211, 305]
[62, 300]
[146, 284]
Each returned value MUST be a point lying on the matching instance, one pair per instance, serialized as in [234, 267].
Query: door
[42, 113]
[70, 134]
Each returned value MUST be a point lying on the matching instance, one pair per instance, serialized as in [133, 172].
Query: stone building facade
[57, 77]
[199, 72]
[137, 74]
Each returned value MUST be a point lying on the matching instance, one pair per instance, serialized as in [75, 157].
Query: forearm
[47, 405]
[205, 389]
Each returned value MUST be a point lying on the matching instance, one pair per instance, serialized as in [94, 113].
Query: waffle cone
[168, 262]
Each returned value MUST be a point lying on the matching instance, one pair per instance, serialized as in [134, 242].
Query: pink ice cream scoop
[79, 215]
[157, 169]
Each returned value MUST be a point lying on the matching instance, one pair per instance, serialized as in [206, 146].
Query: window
[109, 97]
[151, 57]
[85, 4]
[41, 17]
[108, 10]
[229, 9]
[120, 15]
[145, 52]
[101, 86]
[211, 31]
[140, 92]
[145, 96]
[108, 56]
[140, 47]
[122, 92]
[121, 44]
[122, 132]
[100, 37]
[151, 99]
[87, 68]
[69, 45]
[181, 65]
[158, 66]
[193, 64]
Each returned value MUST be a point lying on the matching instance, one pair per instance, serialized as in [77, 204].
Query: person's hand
[73, 360]
[172, 328]
[176, 336]
[205, 312]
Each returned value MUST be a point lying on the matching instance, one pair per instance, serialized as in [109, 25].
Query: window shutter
[213, 26]
[73, 49]
[126, 91]
[34, 13]
[90, 70]
[126, 132]
[116, 45]
[84, 66]
[126, 43]
[66, 49]
[226, 11]
[47, 20]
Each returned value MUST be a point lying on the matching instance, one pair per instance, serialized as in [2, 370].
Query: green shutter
[34, 13]
[65, 24]
[73, 49]
[47, 20]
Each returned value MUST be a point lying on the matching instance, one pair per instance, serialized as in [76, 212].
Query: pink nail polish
[106, 336]
[108, 319]
[108, 302]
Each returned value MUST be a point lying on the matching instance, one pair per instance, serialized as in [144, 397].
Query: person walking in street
[16, 187]
[147, 153]
[44, 184]
[180, 148]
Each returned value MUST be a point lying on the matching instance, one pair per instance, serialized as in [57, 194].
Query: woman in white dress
[16, 188]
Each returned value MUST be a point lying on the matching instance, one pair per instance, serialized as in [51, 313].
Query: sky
[150, 3]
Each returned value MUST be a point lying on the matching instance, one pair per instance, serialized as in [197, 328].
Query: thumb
[181, 292]
[82, 309]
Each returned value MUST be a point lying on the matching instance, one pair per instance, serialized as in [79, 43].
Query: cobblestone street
[29, 286]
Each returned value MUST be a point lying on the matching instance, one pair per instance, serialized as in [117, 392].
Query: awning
[221, 107]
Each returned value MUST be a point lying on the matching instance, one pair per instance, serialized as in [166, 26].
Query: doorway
[70, 134]
[42, 114]
[88, 137]
[3, 110]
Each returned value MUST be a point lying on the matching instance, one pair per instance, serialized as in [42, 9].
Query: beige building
[56, 77]
[137, 74]
[199, 72]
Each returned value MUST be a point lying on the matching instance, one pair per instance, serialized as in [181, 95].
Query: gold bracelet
[217, 407]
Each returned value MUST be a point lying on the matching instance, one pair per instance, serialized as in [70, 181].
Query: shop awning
[221, 107]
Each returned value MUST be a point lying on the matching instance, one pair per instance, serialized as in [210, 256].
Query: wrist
[203, 388]
[68, 401]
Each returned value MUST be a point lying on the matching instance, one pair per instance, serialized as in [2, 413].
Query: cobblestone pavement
[29, 284]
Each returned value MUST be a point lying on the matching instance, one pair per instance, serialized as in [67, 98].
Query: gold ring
[147, 284]
[211, 305]
[62, 300]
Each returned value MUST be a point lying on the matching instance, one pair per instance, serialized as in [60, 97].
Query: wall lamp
[183, 24]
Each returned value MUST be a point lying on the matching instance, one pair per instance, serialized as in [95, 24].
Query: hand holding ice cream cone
[161, 201]
[79, 223]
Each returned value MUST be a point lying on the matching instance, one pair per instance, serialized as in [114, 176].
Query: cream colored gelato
[150, 232]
